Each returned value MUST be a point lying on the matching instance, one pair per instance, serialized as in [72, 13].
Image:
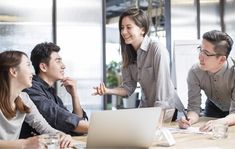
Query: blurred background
[87, 32]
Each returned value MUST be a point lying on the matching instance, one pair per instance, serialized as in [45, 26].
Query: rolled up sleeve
[57, 116]
[129, 84]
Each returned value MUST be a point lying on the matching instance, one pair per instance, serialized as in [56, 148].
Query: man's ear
[43, 67]
[142, 31]
[13, 71]
[223, 59]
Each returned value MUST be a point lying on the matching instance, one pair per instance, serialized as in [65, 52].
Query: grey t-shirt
[219, 87]
[10, 129]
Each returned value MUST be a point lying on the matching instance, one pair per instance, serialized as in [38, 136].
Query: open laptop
[128, 128]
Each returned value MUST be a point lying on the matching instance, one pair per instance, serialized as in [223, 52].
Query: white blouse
[10, 129]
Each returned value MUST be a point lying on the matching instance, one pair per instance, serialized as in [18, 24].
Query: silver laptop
[129, 128]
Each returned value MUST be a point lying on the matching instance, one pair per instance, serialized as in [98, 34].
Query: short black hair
[41, 54]
[222, 41]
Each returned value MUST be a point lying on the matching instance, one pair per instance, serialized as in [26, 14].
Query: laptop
[127, 128]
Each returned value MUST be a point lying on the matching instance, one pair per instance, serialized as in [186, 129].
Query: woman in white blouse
[16, 106]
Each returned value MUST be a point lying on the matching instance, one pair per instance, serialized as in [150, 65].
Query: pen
[185, 115]
[179, 105]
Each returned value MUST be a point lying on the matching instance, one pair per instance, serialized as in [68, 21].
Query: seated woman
[16, 106]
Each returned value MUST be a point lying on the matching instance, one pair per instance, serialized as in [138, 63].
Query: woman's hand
[65, 140]
[100, 90]
[32, 142]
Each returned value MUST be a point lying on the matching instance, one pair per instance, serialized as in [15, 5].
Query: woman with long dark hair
[16, 106]
[144, 60]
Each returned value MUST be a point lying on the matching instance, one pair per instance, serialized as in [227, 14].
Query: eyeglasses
[205, 53]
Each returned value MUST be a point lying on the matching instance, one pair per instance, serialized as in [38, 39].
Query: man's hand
[70, 86]
[209, 125]
[184, 124]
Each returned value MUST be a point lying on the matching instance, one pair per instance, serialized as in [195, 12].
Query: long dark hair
[9, 59]
[129, 55]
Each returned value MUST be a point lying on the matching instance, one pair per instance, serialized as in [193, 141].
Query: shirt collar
[221, 71]
[41, 81]
[145, 44]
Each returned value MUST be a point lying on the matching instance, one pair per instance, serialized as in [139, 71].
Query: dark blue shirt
[52, 107]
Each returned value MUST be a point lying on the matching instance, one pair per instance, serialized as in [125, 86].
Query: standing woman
[16, 106]
[144, 61]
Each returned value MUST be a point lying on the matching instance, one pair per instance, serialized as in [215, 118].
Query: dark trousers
[211, 110]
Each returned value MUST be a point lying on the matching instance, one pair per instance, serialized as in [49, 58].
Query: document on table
[191, 130]
[78, 145]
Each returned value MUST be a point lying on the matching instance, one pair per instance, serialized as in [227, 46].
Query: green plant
[113, 70]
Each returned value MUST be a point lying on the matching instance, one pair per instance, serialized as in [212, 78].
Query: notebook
[128, 128]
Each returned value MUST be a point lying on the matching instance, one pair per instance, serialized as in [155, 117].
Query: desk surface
[194, 141]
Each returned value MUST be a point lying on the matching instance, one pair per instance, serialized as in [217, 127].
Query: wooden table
[201, 141]
[194, 141]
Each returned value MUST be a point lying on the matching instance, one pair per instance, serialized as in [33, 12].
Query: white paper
[190, 130]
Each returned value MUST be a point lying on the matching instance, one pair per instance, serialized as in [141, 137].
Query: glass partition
[24, 23]
[229, 18]
[183, 20]
[79, 34]
[210, 15]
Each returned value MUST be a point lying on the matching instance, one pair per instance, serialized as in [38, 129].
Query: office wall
[185, 55]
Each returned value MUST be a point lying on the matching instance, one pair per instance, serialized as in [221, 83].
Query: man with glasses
[215, 75]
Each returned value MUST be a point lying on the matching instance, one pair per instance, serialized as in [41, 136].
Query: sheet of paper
[192, 130]
[79, 145]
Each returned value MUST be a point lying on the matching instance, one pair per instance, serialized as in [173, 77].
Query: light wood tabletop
[201, 141]
[192, 140]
